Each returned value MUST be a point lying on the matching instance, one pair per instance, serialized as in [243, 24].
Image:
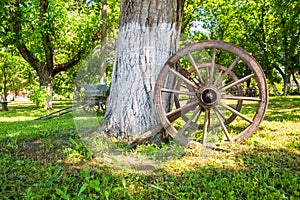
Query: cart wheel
[199, 93]
[91, 106]
[103, 103]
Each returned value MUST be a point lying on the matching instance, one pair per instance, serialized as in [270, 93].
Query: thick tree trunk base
[130, 110]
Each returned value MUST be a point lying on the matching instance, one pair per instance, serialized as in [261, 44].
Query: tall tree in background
[149, 33]
[15, 74]
[287, 50]
[52, 36]
[265, 28]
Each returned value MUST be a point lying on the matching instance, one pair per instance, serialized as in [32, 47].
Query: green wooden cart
[95, 97]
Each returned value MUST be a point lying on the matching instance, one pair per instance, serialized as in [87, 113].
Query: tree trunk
[103, 64]
[148, 35]
[275, 89]
[46, 76]
[4, 85]
[286, 84]
[4, 89]
[296, 82]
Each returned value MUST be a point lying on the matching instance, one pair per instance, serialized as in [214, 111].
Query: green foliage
[266, 29]
[39, 96]
[64, 32]
[63, 84]
[190, 14]
[63, 29]
[15, 73]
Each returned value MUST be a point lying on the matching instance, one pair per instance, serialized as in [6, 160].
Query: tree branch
[17, 28]
[27, 55]
[46, 39]
[43, 8]
[280, 71]
[64, 66]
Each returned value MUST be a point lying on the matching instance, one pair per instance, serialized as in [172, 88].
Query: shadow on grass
[13, 131]
[25, 109]
[256, 174]
[283, 109]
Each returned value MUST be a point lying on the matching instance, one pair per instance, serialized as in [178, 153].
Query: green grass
[45, 159]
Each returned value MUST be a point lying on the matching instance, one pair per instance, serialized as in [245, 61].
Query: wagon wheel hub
[208, 96]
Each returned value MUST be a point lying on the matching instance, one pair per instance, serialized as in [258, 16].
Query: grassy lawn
[45, 159]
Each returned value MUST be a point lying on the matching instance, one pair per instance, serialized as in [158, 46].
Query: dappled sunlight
[275, 135]
[283, 115]
[26, 111]
[15, 134]
[16, 119]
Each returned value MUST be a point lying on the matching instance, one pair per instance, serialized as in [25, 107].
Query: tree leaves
[265, 28]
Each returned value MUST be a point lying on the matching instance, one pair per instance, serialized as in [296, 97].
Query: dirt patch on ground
[45, 149]
[41, 150]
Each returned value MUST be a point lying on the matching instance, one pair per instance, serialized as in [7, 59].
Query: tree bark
[5, 92]
[103, 64]
[4, 88]
[286, 84]
[296, 82]
[149, 32]
[275, 89]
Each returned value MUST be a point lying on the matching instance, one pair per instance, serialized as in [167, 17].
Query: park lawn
[45, 159]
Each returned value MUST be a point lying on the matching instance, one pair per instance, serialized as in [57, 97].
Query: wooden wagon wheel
[91, 105]
[209, 110]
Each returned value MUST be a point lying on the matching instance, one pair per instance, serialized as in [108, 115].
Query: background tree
[287, 41]
[52, 36]
[15, 74]
[263, 27]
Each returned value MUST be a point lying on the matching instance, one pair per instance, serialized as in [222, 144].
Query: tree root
[159, 129]
[145, 136]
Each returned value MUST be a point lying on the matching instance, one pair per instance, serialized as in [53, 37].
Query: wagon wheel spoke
[212, 70]
[205, 126]
[184, 86]
[244, 98]
[220, 118]
[223, 118]
[236, 112]
[184, 99]
[195, 68]
[228, 86]
[182, 77]
[223, 75]
[182, 110]
[198, 116]
[177, 91]
[210, 97]
[206, 75]
[188, 123]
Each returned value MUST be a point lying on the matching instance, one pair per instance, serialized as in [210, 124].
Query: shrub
[39, 96]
